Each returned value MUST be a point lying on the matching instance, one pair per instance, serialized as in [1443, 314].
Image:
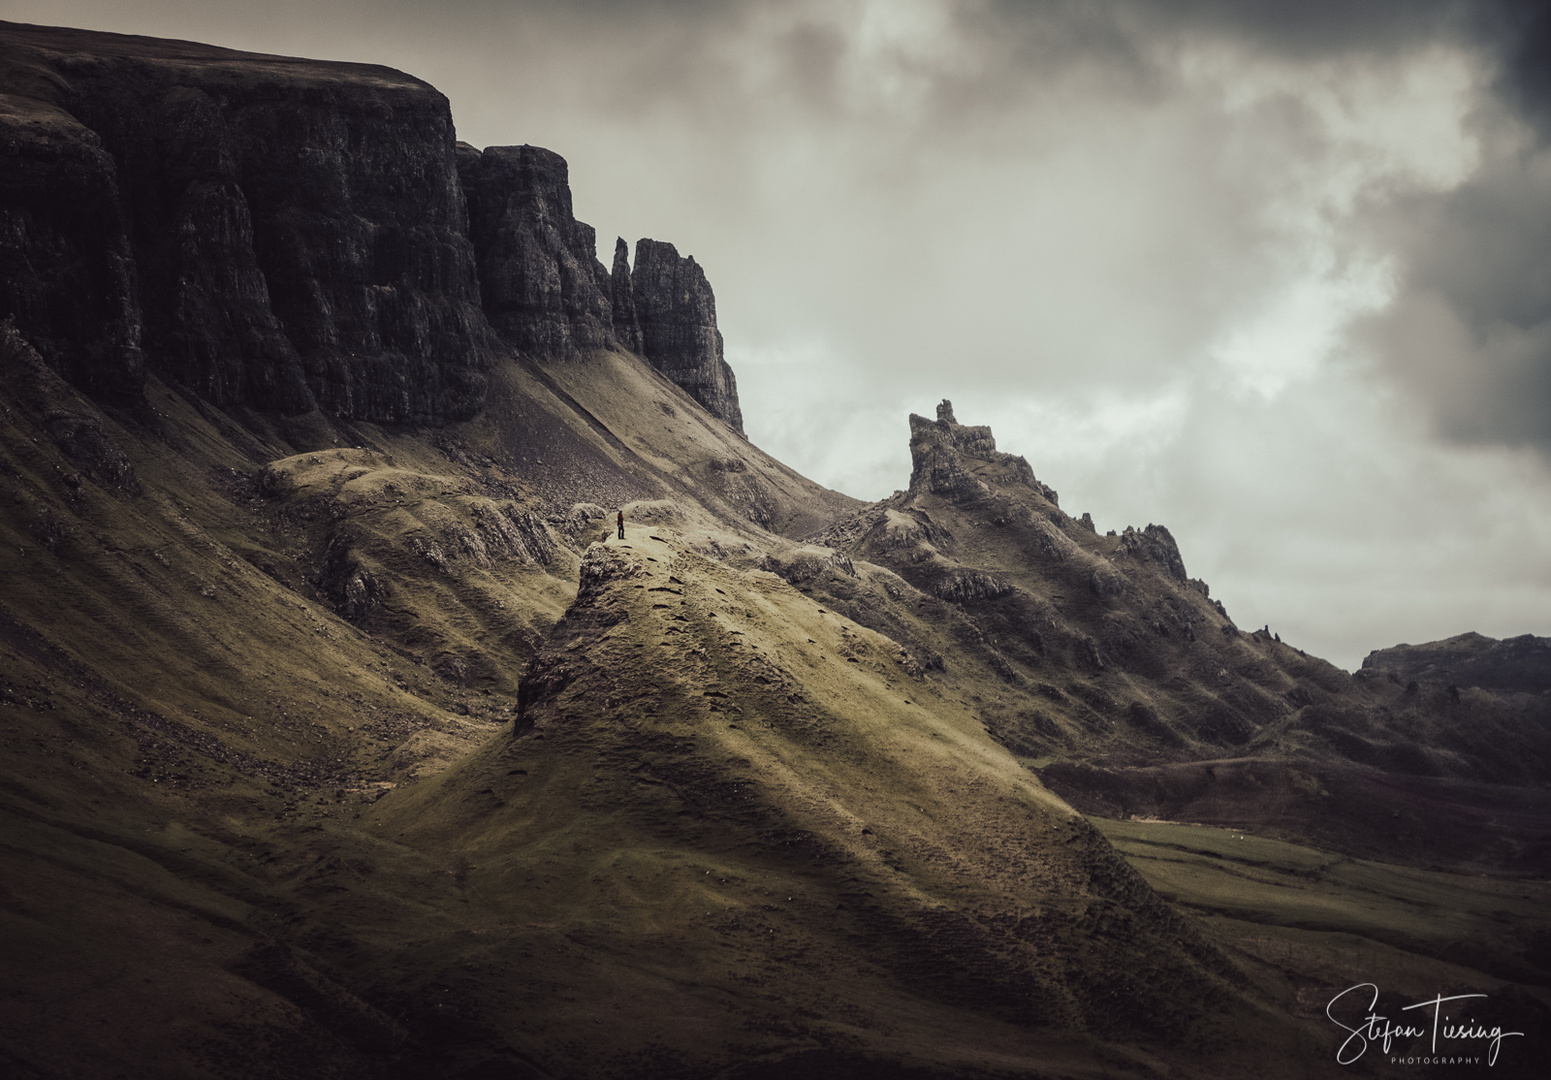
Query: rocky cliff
[546, 292]
[292, 234]
[939, 450]
[627, 326]
[542, 284]
[279, 233]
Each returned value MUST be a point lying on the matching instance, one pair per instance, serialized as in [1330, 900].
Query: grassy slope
[735, 796]
[182, 702]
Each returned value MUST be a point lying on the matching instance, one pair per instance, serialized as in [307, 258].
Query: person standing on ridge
[621, 524]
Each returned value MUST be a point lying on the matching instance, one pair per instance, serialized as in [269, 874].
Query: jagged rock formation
[627, 325]
[938, 450]
[279, 233]
[1520, 664]
[1155, 544]
[542, 284]
[546, 292]
[1038, 590]
[677, 314]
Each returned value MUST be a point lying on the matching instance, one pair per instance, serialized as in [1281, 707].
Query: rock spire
[677, 315]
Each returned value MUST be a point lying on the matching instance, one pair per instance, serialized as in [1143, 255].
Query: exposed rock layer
[938, 451]
[542, 284]
[627, 326]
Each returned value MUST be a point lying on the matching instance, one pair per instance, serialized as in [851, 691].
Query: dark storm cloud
[1526, 73]
[1469, 333]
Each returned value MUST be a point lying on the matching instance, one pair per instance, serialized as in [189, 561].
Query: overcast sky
[1275, 275]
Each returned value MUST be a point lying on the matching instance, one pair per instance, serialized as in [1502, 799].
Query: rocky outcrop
[967, 586]
[1155, 544]
[677, 314]
[545, 291]
[542, 285]
[937, 452]
[291, 234]
[284, 234]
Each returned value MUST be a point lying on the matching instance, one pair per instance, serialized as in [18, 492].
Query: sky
[1277, 276]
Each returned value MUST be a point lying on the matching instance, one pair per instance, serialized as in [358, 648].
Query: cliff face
[542, 284]
[66, 271]
[292, 234]
[546, 292]
[269, 232]
[677, 314]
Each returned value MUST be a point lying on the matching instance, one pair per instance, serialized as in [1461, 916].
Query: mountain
[344, 737]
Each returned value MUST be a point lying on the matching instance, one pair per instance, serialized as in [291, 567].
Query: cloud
[1469, 335]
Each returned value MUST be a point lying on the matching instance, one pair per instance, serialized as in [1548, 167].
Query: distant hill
[1521, 664]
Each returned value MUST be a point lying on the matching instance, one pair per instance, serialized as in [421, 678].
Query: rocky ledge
[677, 318]
[937, 452]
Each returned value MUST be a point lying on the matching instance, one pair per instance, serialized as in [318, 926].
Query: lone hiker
[621, 524]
